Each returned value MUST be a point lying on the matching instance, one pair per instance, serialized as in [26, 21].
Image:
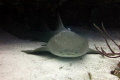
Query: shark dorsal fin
[59, 24]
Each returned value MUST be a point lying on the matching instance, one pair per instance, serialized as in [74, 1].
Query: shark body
[65, 43]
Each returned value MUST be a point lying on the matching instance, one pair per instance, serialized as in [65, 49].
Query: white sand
[16, 65]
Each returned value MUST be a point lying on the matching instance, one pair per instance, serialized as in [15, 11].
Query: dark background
[18, 16]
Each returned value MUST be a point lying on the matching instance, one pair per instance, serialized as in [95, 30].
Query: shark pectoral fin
[43, 45]
[91, 51]
[35, 50]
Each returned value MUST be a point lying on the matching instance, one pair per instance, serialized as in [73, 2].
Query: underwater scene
[59, 40]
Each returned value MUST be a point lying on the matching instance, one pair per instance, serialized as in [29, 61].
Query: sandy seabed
[17, 65]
